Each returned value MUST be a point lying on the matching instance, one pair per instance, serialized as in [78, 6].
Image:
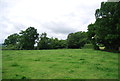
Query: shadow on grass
[21, 77]
[15, 65]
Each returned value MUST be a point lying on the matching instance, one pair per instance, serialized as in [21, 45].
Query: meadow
[83, 63]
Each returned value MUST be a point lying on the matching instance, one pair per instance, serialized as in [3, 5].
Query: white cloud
[56, 17]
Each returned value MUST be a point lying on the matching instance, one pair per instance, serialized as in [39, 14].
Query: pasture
[59, 64]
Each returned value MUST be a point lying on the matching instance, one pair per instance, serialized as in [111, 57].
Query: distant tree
[28, 37]
[57, 44]
[62, 44]
[43, 41]
[76, 40]
[50, 43]
[12, 40]
[53, 43]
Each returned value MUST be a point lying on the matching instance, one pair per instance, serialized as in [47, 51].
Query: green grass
[59, 64]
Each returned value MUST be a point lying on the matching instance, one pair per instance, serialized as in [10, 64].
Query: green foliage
[11, 42]
[25, 40]
[28, 37]
[50, 43]
[12, 39]
[55, 43]
[106, 29]
[62, 44]
[43, 42]
[76, 40]
[92, 36]
[10, 47]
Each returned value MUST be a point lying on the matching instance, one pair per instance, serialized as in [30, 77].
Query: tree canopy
[28, 37]
[12, 39]
[23, 40]
[106, 29]
[76, 40]
[50, 43]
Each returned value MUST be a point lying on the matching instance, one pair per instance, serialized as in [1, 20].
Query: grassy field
[59, 64]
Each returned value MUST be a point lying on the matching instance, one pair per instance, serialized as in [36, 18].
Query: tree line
[104, 32]
[27, 39]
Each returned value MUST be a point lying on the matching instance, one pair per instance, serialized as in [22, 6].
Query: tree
[12, 41]
[76, 40]
[28, 37]
[50, 43]
[92, 36]
[43, 42]
[55, 43]
[62, 44]
[106, 27]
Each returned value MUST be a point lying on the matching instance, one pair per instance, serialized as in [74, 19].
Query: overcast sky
[57, 18]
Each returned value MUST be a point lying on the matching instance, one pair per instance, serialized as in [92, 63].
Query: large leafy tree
[76, 40]
[106, 29]
[28, 37]
[92, 36]
[12, 39]
[12, 42]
